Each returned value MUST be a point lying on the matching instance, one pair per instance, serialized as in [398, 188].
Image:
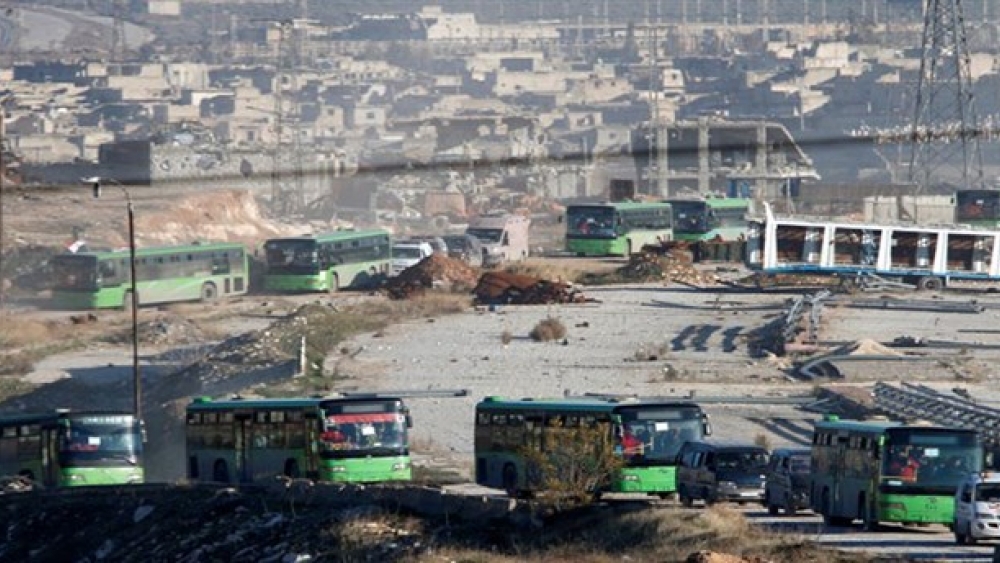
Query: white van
[504, 237]
[408, 253]
[977, 509]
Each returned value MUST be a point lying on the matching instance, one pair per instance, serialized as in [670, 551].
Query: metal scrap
[518, 289]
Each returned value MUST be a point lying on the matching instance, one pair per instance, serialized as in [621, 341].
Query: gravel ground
[608, 348]
[697, 339]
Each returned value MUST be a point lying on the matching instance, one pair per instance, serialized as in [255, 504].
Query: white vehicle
[977, 509]
[504, 237]
[406, 254]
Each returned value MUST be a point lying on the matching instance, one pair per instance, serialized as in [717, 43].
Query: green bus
[328, 261]
[617, 229]
[978, 208]
[62, 448]
[357, 439]
[716, 219]
[881, 471]
[508, 429]
[97, 280]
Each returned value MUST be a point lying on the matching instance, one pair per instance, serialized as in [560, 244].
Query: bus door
[242, 432]
[313, 423]
[839, 468]
[50, 445]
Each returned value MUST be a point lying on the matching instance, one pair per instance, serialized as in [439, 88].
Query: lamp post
[134, 302]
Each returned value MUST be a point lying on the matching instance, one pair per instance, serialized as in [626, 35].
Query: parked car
[718, 472]
[438, 244]
[406, 254]
[466, 248]
[786, 485]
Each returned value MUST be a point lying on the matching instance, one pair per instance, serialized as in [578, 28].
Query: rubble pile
[652, 266]
[519, 289]
[435, 271]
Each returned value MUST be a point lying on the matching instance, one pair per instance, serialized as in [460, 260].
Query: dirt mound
[435, 271]
[865, 347]
[517, 289]
[218, 216]
[715, 557]
[651, 266]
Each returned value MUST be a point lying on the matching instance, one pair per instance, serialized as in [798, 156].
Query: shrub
[576, 463]
[548, 329]
[762, 440]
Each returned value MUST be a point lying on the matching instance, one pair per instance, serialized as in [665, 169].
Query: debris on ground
[865, 347]
[436, 271]
[653, 266]
[518, 289]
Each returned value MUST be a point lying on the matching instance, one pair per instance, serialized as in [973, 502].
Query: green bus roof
[582, 404]
[333, 236]
[881, 426]
[52, 416]
[209, 404]
[718, 202]
[625, 205]
[155, 250]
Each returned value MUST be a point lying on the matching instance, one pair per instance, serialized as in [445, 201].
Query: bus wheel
[292, 469]
[930, 283]
[628, 249]
[220, 472]
[510, 480]
[209, 292]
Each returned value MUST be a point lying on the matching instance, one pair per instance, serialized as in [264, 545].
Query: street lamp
[95, 182]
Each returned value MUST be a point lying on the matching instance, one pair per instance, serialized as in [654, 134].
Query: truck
[924, 257]
[504, 237]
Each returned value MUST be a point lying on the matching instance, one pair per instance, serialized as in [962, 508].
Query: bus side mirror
[707, 429]
[409, 421]
[559, 219]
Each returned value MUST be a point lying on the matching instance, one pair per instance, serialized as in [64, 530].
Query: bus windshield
[354, 435]
[977, 205]
[590, 221]
[690, 217]
[930, 459]
[71, 271]
[291, 256]
[659, 438]
[86, 444]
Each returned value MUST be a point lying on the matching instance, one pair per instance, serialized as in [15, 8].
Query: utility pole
[944, 136]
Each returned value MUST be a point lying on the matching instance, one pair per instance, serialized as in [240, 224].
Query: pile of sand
[231, 216]
[865, 347]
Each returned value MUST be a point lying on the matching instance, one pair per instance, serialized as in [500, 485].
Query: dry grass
[548, 329]
[606, 534]
[21, 332]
